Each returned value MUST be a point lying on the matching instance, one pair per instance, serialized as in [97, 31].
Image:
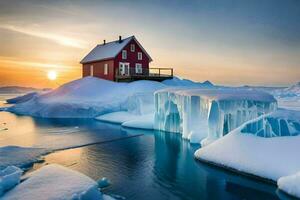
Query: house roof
[109, 50]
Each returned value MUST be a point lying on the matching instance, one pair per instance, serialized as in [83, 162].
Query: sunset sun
[52, 75]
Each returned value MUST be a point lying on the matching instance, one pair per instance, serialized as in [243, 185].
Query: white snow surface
[9, 177]
[290, 184]
[208, 113]
[54, 182]
[260, 156]
[89, 97]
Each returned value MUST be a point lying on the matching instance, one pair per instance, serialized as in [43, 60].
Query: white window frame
[124, 54]
[138, 68]
[105, 71]
[91, 70]
[140, 56]
[124, 68]
[132, 47]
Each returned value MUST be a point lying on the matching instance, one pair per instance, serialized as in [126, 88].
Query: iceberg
[208, 113]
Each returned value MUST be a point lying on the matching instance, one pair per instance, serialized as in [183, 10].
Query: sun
[52, 75]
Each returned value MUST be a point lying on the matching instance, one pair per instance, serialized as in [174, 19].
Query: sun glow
[52, 75]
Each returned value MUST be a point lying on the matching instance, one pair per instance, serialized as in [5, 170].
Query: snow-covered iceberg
[208, 113]
[89, 97]
[54, 182]
[266, 157]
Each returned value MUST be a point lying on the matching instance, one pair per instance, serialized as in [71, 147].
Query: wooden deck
[153, 74]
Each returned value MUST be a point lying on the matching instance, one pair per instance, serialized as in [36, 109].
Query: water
[151, 165]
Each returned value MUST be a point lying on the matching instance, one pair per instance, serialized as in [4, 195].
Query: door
[124, 69]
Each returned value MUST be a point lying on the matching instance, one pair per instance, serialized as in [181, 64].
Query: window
[132, 47]
[91, 70]
[140, 56]
[124, 54]
[105, 69]
[138, 68]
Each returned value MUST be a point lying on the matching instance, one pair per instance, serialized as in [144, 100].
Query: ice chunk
[9, 177]
[279, 123]
[209, 113]
[54, 182]
[290, 184]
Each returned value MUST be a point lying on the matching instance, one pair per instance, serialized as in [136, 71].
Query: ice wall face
[279, 123]
[208, 113]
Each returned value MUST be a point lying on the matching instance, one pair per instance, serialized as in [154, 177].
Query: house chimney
[120, 38]
[104, 42]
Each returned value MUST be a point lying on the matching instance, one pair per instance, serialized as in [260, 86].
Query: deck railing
[146, 72]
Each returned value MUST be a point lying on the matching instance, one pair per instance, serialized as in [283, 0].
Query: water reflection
[159, 166]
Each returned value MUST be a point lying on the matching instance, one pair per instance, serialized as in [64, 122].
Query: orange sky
[200, 42]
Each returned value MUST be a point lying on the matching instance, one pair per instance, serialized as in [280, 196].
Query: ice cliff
[279, 123]
[208, 113]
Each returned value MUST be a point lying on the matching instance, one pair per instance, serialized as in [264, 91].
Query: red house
[122, 60]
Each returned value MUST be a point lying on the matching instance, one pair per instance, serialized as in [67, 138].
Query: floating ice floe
[208, 113]
[19, 156]
[53, 182]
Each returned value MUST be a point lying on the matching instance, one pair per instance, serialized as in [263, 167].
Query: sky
[229, 42]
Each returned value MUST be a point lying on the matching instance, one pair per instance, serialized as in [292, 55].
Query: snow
[19, 156]
[54, 182]
[290, 184]
[9, 177]
[265, 157]
[208, 113]
[89, 97]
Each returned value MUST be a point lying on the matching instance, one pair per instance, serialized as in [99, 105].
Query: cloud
[25, 63]
[59, 39]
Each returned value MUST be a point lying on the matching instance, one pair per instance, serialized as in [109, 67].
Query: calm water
[151, 165]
